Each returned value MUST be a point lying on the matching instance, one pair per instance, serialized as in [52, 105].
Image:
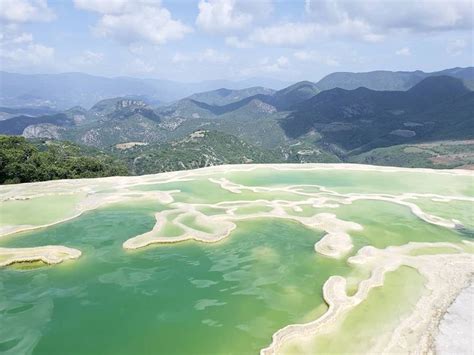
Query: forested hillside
[26, 161]
[429, 125]
[199, 149]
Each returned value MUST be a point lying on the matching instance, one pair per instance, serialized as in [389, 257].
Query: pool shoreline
[446, 276]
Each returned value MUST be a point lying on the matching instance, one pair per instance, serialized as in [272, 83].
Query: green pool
[228, 297]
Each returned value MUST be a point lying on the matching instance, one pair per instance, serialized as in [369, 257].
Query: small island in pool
[241, 259]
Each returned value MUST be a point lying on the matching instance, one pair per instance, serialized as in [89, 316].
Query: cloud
[236, 42]
[356, 58]
[11, 35]
[456, 47]
[116, 7]
[180, 58]
[313, 56]
[282, 62]
[266, 65]
[284, 34]
[31, 54]
[367, 21]
[136, 48]
[18, 49]
[219, 16]
[89, 58]
[130, 22]
[139, 66]
[18, 11]
[384, 16]
[405, 51]
[212, 56]
[208, 55]
[300, 33]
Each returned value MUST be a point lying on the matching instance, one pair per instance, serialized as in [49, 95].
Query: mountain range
[62, 91]
[299, 123]
[65, 90]
[390, 80]
[362, 119]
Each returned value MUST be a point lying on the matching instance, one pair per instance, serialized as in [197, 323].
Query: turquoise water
[185, 298]
[374, 318]
[196, 298]
[362, 181]
[38, 211]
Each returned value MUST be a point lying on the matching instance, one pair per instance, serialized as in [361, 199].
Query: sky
[193, 40]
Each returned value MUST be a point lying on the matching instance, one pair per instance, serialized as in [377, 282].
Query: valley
[298, 124]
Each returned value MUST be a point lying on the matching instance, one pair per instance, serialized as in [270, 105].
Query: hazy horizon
[236, 80]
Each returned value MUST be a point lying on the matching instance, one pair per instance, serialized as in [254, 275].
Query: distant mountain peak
[436, 89]
[297, 86]
[223, 92]
[224, 96]
[123, 103]
[440, 83]
[388, 80]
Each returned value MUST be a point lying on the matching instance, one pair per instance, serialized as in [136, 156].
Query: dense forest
[27, 161]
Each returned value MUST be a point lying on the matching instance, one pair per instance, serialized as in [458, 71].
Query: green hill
[224, 96]
[284, 99]
[16, 125]
[362, 119]
[199, 149]
[26, 161]
[297, 124]
[115, 121]
[438, 155]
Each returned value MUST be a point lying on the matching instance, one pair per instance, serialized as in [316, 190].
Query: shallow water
[188, 298]
[387, 224]
[373, 319]
[39, 210]
[200, 298]
[361, 181]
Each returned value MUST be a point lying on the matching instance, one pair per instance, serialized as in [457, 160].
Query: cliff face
[42, 130]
